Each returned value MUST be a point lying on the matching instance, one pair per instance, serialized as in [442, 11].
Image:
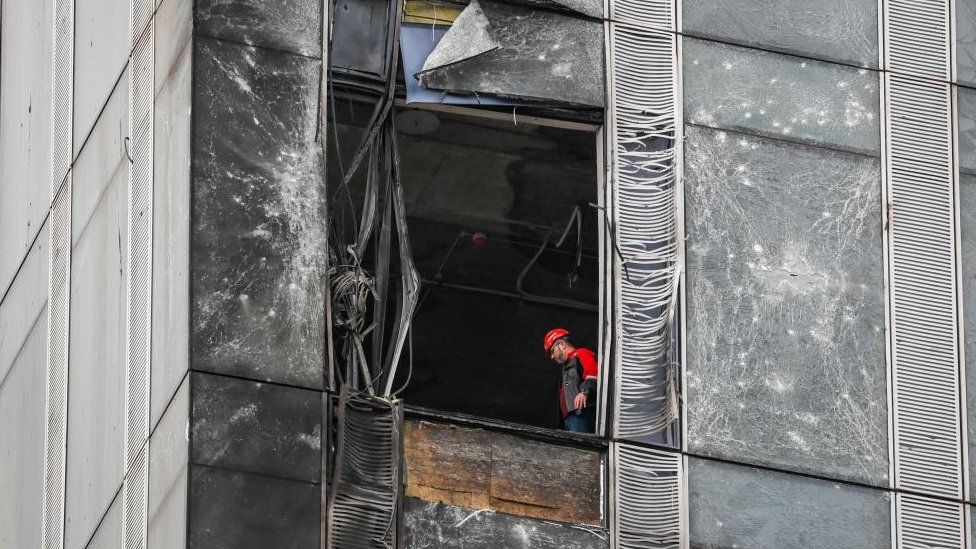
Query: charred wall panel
[231, 509]
[258, 215]
[485, 470]
[259, 427]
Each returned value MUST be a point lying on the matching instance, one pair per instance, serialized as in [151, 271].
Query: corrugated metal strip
[135, 502]
[62, 90]
[56, 379]
[59, 278]
[917, 37]
[643, 185]
[925, 523]
[140, 12]
[140, 150]
[659, 14]
[648, 486]
[926, 383]
[366, 499]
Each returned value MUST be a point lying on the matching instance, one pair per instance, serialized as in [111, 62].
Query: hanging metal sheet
[648, 485]
[642, 111]
[514, 51]
[366, 498]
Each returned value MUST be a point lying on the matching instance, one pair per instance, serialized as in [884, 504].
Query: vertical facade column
[642, 90]
[647, 485]
[926, 378]
[139, 283]
[59, 278]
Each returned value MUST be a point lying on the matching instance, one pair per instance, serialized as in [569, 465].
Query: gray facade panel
[230, 509]
[26, 45]
[966, 125]
[966, 42]
[109, 534]
[174, 25]
[290, 25]
[734, 506]
[24, 302]
[967, 221]
[22, 430]
[102, 161]
[257, 247]
[168, 459]
[101, 51]
[96, 377]
[171, 237]
[781, 96]
[259, 427]
[833, 30]
[785, 315]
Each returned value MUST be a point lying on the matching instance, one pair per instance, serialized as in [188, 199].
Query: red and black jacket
[579, 376]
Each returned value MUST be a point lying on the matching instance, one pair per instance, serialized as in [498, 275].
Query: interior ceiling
[518, 184]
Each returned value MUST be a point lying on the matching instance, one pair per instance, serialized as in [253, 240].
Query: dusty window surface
[834, 30]
[966, 41]
[967, 210]
[257, 299]
[734, 506]
[781, 96]
[785, 313]
[967, 129]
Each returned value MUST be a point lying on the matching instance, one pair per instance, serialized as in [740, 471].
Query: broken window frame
[606, 291]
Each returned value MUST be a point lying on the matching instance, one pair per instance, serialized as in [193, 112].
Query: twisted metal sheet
[648, 487]
[366, 492]
[642, 111]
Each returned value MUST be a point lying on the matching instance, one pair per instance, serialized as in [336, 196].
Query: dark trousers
[585, 422]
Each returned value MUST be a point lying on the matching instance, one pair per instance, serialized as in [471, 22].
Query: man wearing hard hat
[577, 392]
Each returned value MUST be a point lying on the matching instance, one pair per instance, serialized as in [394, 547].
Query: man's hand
[580, 401]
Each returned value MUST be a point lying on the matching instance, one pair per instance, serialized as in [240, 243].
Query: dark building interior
[483, 195]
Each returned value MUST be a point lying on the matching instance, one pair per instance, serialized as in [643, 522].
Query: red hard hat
[552, 336]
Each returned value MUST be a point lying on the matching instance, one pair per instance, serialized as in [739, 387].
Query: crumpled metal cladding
[514, 51]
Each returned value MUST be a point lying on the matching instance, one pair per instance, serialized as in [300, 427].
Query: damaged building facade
[276, 274]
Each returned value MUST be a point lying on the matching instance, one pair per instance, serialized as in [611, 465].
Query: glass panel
[230, 508]
[785, 314]
[259, 427]
[835, 30]
[967, 129]
[359, 35]
[967, 211]
[295, 25]
[257, 235]
[966, 41]
[781, 96]
[734, 506]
